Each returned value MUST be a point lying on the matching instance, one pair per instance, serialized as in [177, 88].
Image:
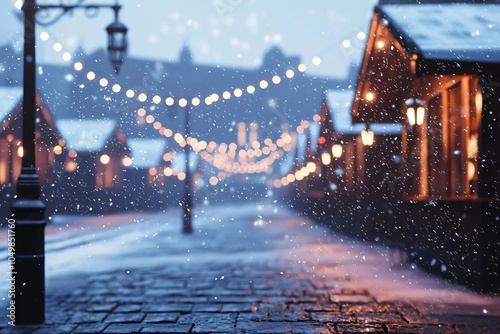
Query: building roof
[339, 106]
[146, 152]
[9, 98]
[446, 31]
[301, 147]
[86, 135]
[179, 161]
[386, 128]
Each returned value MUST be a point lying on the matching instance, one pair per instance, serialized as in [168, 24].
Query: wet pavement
[245, 269]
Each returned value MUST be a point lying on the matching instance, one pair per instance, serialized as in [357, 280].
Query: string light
[242, 166]
[130, 93]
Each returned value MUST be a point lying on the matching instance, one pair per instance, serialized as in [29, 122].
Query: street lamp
[117, 42]
[28, 210]
[187, 201]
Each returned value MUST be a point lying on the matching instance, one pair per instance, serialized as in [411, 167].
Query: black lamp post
[187, 199]
[28, 210]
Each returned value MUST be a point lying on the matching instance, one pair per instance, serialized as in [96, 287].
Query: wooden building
[435, 68]
[91, 162]
[148, 172]
[11, 147]
[347, 189]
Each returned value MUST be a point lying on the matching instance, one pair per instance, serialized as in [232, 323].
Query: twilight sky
[218, 32]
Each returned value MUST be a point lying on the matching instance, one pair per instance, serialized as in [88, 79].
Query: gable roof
[146, 153]
[86, 135]
[339, 102]
[465, 32]
[9, 98]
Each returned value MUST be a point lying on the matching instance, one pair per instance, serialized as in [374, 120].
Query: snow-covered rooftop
[314, 132]
[301, 147]
[86, 135]
[386, 128]
[179, 161]
[146, 153]
[339, 105]
[9, 97]
[452, 31]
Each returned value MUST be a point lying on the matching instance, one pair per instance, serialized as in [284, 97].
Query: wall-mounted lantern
[337, 151]
[326, 158]
[415, 111]
[367, 137]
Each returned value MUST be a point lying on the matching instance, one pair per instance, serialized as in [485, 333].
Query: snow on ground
[244, 233]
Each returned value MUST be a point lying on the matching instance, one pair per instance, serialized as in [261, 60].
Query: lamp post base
[28, 250]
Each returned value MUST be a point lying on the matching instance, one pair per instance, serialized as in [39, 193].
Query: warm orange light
[127, 161]
[57, 149]
[70, 166]
[168, 171]
[213, 180]
[473, 147]
[415, 111]
[321, 140]
[471, 171]
[367, 137]
[311, 167]
[72, 154]
[141, 112]
[370, 96]
[420, 115]
[410, 113]
[479, 101]
[326, 158]
[337, 150]
[105, 159]
[183, 103]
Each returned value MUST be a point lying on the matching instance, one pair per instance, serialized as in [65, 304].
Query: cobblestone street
[255, 272]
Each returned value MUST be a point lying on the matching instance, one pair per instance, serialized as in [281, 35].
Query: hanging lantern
[117, 41]
[367, 137]
[415, 111]
[326, 158]
[337, 150]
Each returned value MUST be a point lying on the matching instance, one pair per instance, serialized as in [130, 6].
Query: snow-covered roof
[386, 128]
[146, 153]
[339, 106]
[9, 97]
[286, 164]
[86, 135]
[301, 147]
[179, 161]
[314, 132]
[451, 31]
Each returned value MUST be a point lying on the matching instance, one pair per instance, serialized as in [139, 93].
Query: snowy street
[261, 254]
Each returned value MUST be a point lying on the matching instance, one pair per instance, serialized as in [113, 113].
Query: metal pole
[28, 211]
[188, 200]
